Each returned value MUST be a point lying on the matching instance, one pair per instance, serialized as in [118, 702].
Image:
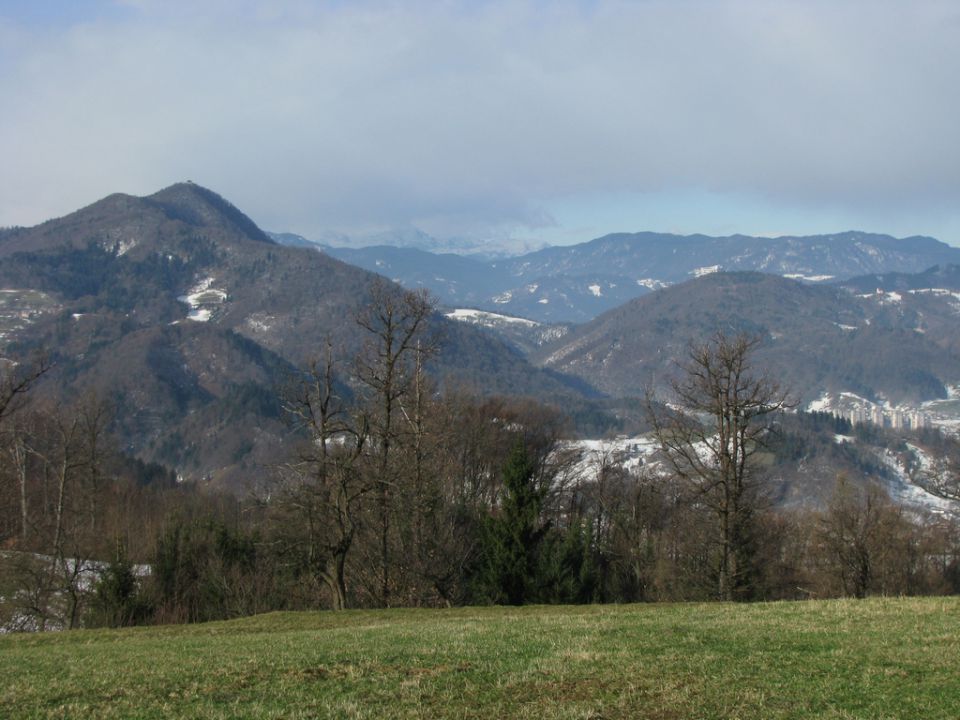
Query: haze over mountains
[412, 238]
[856, 315]
[578, 282]
[188, 318]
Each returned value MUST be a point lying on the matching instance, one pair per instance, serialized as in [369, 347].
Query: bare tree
[864, 541]
[397, 345]
[15, 380]
[328, 482]
[711, 438]
[943, 477]
[65, 453]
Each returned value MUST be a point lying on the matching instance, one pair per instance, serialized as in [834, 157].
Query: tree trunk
[20, 461]
[336, 580]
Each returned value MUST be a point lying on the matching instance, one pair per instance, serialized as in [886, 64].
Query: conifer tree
[514, 536]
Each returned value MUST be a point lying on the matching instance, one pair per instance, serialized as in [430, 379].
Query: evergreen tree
[514, 535]
[117, 601]
[568, 567]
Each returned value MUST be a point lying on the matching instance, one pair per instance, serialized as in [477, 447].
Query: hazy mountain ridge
[578, 282]
[412, 238]
[938, 277]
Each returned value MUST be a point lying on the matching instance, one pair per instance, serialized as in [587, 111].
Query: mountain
[578, 282]
[674, 258]
[526, 335]
[816, 339]
[937, 279]
[455, 279]
[292, 239]
[178, 309]
[412, 238]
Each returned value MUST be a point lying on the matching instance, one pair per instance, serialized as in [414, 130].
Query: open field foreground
[881, 658]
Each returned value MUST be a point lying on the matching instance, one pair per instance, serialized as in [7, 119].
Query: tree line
[398, 492]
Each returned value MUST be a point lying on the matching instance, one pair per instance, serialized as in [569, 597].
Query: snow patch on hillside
[260, 322]
[705, 270]
[595, 289]
[482, 317]
[629, 453]
[902, 489]
[883, 297]
[952, 296]
[203, 300]
[821, 404]
[554, 333]
[936, 291]
[808, 278]
[652, 284]
[125, 246]
[634, 453]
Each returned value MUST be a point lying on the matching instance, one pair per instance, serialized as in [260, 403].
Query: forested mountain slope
[186, 316]
[816, 338]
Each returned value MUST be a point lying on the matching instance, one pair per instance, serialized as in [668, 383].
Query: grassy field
[839, 659]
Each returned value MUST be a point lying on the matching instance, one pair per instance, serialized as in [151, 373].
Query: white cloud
[463, 116]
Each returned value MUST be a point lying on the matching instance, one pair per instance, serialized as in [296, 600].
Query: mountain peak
[197, 205]
[149, 224]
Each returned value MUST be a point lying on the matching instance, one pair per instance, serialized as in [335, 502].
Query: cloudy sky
[539, 121]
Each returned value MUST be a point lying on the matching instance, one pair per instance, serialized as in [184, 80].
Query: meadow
[876, 658]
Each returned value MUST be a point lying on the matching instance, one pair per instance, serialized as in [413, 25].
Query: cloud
[462, 117]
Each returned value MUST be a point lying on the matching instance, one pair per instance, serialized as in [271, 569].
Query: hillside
[456, 279]
[578, 282]
[938, 277]
[891, 657]
[185, 315]
[816, 338]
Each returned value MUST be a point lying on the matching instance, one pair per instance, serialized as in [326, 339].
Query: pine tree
[514, 536]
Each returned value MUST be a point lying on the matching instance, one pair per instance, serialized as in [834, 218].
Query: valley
[209, 314]
[591, 360]
[267, 426]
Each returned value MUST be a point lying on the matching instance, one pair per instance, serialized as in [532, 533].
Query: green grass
[896, 658]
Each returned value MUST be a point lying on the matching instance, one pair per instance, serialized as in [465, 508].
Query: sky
[537, 122]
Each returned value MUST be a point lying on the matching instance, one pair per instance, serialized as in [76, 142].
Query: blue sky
[545, 122]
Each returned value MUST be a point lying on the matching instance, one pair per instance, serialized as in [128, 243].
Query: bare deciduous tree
[328, 483]
[397, 344]
[711, 438]
[16, 380]
[862, 537]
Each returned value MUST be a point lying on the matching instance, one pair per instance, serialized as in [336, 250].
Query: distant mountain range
[412, 238]
[866, 314]
[578, 282]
